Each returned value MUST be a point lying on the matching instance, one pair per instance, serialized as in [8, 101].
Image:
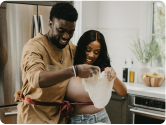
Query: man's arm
[33, 66]
[50, 78]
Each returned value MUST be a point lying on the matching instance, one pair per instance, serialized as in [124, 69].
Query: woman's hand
[18, 96]
[118, 85]
[110, 72]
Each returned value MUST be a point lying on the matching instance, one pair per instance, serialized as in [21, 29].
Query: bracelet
[74, 71]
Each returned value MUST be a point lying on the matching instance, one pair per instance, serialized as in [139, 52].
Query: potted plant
[144, 54]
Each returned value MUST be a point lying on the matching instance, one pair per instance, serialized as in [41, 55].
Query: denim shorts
[100, 117]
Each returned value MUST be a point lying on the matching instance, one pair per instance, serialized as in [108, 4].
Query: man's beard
[56, 42]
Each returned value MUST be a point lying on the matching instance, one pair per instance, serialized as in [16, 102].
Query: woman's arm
[118, 85]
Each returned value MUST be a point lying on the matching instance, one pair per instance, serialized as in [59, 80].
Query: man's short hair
[64, 11]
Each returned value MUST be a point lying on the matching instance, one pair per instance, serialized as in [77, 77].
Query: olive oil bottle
[132, 73]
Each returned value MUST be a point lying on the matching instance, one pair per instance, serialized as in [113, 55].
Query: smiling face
[62, 32]
[92, 52]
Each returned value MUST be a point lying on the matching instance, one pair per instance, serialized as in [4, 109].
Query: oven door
[145, 116]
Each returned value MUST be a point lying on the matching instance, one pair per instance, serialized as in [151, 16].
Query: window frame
[151, 34]
[156, 34]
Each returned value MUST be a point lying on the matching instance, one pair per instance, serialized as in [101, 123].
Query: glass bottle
[132, 73]
[125, 72]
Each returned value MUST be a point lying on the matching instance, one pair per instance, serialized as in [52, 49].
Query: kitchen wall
[120, 22]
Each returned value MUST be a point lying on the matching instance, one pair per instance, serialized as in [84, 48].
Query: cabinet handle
[34, 26]
[10, 113]
[41, 24]
[123, 98]
[149, 113]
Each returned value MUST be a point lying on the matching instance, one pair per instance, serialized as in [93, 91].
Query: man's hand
[85, 70]
[18, 96]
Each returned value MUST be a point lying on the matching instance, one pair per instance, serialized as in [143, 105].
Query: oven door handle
[10, 113]
[148, 112]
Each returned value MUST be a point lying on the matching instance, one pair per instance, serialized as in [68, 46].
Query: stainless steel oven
[146, 110]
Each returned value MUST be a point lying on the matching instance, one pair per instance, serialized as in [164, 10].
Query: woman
[92, 50]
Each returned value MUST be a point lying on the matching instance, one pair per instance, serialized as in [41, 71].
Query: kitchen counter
[143, 90]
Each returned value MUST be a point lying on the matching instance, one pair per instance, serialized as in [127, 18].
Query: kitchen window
[158, 32]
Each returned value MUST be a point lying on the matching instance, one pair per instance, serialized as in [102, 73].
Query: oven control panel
[150, 102]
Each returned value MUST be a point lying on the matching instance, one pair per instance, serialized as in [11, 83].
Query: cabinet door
[117, 109]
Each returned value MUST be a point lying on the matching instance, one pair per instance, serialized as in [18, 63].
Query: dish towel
[99, 89]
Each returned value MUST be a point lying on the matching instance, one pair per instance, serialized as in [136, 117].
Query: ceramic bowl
[152, 82]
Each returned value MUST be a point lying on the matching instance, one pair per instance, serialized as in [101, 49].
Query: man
[41, 86]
